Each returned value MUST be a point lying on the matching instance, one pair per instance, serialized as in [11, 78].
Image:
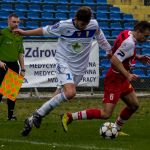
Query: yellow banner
[11, 85]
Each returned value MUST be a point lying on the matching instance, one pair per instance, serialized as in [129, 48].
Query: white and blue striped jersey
[74, 45]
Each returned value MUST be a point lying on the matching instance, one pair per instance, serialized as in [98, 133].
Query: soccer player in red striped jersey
[117, 81]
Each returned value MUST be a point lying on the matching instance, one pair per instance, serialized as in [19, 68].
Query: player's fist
[19, 32]
[2, 65]
[132, 77]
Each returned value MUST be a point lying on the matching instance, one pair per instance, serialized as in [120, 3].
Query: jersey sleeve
[102, 41]
[21, 48]
[52, 30]
[125, 50]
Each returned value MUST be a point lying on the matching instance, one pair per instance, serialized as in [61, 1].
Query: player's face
[81, 25]
[13, 22]
[143, 36]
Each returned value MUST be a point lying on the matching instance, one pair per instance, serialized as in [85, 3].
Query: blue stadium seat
[114, 10]
[31, 25]
[104, 25]
[146, 51]
[103, 73]
[9, 1]
[21, 25]
[102, 17]
[48, 8]
[102, 2]
[21, 7]
[105, 63]
[62, 8]
[76, 1]
[115, 17]
[21, 14]
[138, 64]
[128, 17]
[63, 1]
[61, 16]
[128, 26]
[4, 14]
[74, 8]
[23, 1]
[89, 2]
[107, 34]
[45, 23]
[3, 24]
[139, 45]
[6, 7]
[36, 1]
[102, 9]
[33, 15]
[71, 14]
[114, 34]
[146, 45]
[34, 7]
[139, 72]
[50, 1]
[116, 26]
[102, 53]
[47, 16]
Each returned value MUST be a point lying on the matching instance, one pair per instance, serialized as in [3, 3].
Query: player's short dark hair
[142, 26]
[13, 15]
[84, 14]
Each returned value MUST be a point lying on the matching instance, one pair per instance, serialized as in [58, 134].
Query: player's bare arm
[119, 67]
[143, 59]
[35, 32]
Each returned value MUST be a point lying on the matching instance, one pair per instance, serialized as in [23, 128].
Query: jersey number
[68, 76]
[121, 53]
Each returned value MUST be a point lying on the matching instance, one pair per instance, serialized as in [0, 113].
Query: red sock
[93, 113]
[125, 114]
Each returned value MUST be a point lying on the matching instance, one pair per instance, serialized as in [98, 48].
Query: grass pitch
[82, 135]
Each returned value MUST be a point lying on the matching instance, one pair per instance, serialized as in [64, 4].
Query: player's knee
[70, 94]
[135, 107]
[106, 115]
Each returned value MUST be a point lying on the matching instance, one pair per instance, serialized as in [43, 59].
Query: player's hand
[19, 31]
[132, 77]
[2, 65]
[22, 73]
[144, 59]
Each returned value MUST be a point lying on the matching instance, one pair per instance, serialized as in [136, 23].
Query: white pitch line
[90, 147]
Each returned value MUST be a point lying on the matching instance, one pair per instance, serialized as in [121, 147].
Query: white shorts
[65, 76]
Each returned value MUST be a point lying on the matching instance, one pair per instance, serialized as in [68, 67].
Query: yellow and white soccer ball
[108, 130]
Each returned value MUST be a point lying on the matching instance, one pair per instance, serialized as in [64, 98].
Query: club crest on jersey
[77, 47]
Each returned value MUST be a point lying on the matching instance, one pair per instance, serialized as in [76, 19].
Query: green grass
[82, 135]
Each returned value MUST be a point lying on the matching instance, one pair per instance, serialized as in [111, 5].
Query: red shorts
[115, 86]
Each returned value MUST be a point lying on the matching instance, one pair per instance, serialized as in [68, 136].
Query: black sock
[11, 106]
[1, 96]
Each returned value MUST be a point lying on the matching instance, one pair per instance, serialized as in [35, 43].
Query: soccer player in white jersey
[72, 55]
[116, 85]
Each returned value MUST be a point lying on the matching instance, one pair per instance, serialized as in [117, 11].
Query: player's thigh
[131, 99]
[64, 75]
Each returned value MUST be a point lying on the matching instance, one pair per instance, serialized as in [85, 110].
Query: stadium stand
[111, 19]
